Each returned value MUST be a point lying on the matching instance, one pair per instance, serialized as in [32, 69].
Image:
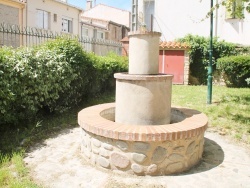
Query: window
[234, 10]
[116, 33]
[55, 17]
[67, 25]
[42, 19]
[85, 32]
[100, 35]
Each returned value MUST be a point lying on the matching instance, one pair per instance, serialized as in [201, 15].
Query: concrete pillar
[143, 99]
[144, 52]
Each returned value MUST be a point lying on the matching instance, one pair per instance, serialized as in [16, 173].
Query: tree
[234, 7]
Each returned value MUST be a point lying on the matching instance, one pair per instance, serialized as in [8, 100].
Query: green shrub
[33, 79]
[235, 69]
[54, 77]
[103, 71]
[199, 55]
[72, 82]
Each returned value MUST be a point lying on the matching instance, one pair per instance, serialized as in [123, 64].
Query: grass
[228, 114]
[15, 140]
[13, 172]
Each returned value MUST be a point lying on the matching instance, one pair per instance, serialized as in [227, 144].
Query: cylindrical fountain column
[143, 97]
[144, 52]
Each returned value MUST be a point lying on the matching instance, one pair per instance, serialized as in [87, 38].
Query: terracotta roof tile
[173, 44]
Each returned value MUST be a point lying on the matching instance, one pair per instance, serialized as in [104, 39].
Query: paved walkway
[57, 163]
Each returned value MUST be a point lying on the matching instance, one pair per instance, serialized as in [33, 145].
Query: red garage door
[172, 62]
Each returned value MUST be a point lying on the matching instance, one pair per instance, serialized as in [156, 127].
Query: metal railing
[15, 36]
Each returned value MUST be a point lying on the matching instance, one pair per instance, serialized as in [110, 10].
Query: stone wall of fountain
[141, 134]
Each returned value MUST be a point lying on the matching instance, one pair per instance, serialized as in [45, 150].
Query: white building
[175, 19]
[109, 13]
[54, 15]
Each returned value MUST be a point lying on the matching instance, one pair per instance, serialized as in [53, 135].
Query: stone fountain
[141, 133]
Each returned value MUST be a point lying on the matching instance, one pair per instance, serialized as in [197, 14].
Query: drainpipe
[26, 24]
[79, 24]
[210, 70]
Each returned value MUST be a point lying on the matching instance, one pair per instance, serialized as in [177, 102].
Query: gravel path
[57, 163]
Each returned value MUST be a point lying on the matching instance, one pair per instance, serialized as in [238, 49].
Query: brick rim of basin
[90, 119]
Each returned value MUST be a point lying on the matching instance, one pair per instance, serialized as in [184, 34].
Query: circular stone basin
[144, 149]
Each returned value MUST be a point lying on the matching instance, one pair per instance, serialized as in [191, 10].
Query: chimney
[89, 4]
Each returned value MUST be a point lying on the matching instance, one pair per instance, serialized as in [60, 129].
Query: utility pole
[210, 67]
[134, 16]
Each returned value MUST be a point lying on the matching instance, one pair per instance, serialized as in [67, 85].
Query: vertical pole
[210, 70]
[151, 21]
[134, 15]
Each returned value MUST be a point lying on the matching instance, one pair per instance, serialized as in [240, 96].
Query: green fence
[15, 36]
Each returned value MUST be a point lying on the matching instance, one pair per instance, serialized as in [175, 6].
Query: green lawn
[228, 114]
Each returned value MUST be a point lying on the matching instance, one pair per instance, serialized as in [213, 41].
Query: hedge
[235, 70]
[54, 77]
[199, 55]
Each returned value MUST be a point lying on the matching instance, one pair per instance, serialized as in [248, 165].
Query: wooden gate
[172, 62]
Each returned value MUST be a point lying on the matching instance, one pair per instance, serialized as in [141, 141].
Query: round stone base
[142, 150]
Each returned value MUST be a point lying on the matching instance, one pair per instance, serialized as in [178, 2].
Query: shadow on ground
[212, 157]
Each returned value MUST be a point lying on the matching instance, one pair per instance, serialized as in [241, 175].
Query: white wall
[53, 7]
[234, 30]
[175, 19]
[110, 14]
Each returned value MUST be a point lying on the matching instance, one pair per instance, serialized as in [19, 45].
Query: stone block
[141, 146]
[107, 146]
[119, 160]
[137, 168]
[190, 148]
[176, 157]
[96, 142]
[95, 151]
[174, 167]
[122, 145]
[103, 162]
[104, 152]
[179, 149]
[152, 169]
[139, 157]
[159, 154]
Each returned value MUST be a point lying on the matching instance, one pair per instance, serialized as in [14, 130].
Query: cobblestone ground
[57, 163]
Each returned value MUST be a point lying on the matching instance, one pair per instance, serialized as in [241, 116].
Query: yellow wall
[21, 9]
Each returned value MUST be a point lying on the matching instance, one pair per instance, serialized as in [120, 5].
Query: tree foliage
[199, 55]
[236, 7]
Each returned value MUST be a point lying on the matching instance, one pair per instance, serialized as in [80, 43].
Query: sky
[122, 4]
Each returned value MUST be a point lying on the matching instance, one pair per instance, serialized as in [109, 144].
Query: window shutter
[39, 18]
[45, 20]
[70, 29]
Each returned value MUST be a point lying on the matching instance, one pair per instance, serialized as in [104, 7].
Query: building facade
[105, 12]
[12, 12]
[175, 19]
[54, 15]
